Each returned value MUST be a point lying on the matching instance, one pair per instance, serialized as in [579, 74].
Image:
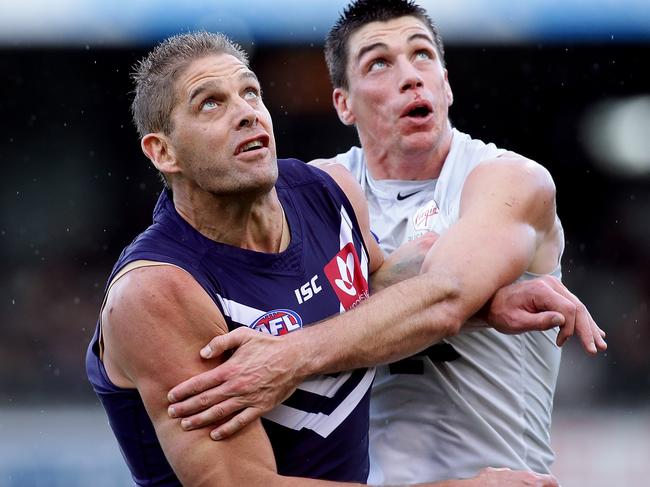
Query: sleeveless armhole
[136, 264]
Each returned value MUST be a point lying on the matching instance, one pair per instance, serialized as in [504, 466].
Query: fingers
[212, 415]
[585, 329]
[196, 403]
[600, 336]
[569, 311]
[546, 481]
[504, 477]
[236, 423]
[554, 296]
[193, 386]
[544, 320]
[591, 337]
[212, 378]
[580, 321]
[222, 343]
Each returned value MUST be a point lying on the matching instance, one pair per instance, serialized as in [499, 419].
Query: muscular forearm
[403, 263]
[389, 275]
[393, 324]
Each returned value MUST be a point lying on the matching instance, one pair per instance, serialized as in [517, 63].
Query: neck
[249, 222]
[408, 165]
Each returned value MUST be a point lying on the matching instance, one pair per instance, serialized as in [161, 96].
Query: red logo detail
[424, 215]
[278, 322]
[346, 278]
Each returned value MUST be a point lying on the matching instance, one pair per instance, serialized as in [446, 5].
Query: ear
[448, 93]
[341, 103]
[157, 148]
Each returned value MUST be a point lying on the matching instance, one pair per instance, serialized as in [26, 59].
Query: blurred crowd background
[564, 83]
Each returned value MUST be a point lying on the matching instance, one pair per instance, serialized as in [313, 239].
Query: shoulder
[152, 315]
[151, 282]
[294, 173]
[319, 163]
[511, 185]
[152, 299]
[344, 179]
[353, 159]
[514, 172]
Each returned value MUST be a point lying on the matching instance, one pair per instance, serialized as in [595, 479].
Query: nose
[247, 116]
[409, 76]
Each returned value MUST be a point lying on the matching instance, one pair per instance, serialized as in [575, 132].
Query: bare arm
[154, 319]
[511, 201]
[518, 213]
[508, 225]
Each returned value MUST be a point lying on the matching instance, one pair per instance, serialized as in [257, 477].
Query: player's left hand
[544, 303]
[504, 477]
[261, 373]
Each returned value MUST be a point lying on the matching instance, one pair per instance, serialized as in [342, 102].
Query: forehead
[392, 32]
[219, 68]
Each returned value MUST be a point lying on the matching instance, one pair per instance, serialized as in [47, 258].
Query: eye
[377, 64]
[251, 94]
[208, 105]
[423, 55]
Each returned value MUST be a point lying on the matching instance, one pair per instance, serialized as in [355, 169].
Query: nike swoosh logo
[400, 197]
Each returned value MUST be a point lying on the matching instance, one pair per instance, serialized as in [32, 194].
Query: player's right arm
[153, 321]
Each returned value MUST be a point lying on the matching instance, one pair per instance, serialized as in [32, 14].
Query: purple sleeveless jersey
[321, 431]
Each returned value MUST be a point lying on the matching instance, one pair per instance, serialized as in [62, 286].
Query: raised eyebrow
[249, 75]
[370, 47]
[382, 45]
[423, 37]
[196, 92]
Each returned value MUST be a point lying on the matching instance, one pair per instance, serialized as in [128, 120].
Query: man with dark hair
[358, 14]
[235, 239]
[486, 400]
[480, 398]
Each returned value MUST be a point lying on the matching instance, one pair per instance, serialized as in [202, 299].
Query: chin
[418, 143]
[260, 183]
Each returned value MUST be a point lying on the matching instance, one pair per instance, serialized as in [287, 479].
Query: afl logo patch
[278, 322]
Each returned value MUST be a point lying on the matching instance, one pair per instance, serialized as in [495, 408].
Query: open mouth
[253, 144]
[420, 109]
[419, 112]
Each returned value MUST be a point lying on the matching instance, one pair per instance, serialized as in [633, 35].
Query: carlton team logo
[423, 218]
[278, 322]
[346, 278]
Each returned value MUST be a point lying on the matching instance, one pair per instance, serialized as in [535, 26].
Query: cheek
[375, 106]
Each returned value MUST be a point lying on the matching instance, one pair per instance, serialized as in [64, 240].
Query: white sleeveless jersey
[490, 407]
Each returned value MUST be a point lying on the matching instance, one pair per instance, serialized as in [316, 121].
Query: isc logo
[307, 290]
[278, 322]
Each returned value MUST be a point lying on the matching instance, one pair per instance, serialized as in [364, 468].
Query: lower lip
[418, 120]
[253, 154]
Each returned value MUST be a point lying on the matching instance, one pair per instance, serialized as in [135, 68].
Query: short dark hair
[155, 75]
[360, 13]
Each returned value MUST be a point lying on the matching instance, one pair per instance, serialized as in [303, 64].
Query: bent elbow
[454, 326]
[447, 311]
[454, 322]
